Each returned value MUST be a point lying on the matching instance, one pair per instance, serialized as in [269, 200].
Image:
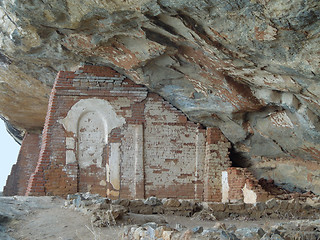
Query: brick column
[200, 163]
[139, 162]
[217, 160]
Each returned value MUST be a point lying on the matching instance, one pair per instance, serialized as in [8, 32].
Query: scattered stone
[187, 205]
[102, 205]
[179, 227]
[271, 203]
[117, 211]
[136, 203]
[76, 201]
[205, 214]
[140, 233]
[106, 213]
[301, 229]
[249, 233]
[276, 237]
[283, 205]
[313, 202]
[215, 206]
[150, 233]
[159, 231]
[197, 229]
[228, 236]
[187, 235]
[236, 207]
[232, 228]
[145, 209]
[211, 231]
[122, 202]
[103, 218]
[152, 201]
[219, 225]
[166, 235]
[171, 203]
[150, 224]
[259, 206]
[157, 209]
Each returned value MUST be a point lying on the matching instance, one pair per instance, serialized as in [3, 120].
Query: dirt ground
[46, 218]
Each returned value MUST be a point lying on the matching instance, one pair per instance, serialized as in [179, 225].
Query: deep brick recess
[157, 144]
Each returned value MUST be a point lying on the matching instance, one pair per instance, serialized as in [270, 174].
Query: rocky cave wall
[250, 68]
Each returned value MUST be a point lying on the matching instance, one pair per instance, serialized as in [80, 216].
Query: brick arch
[90, 153]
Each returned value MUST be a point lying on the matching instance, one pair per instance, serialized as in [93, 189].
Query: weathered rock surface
[248, 67]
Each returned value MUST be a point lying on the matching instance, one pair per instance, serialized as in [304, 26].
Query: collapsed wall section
[239, 184]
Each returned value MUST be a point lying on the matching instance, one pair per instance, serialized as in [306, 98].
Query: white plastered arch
[100, 106]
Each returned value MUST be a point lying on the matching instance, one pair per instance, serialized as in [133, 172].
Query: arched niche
[91, 139]
[90, 121]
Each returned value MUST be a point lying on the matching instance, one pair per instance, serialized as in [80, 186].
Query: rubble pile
[106, 211]
[300, 229]
[273, 208]
[103, 212]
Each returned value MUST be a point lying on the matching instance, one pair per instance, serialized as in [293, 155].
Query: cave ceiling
[251, 68]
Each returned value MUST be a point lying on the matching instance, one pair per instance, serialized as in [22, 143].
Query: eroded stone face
[249, 67]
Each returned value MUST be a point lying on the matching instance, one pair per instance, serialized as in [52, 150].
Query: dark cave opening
[238, 159]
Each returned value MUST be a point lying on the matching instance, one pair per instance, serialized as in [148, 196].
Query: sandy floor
[58, 223]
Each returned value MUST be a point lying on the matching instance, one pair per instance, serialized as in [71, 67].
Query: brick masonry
[105, 134]
[242, 185]
[21, 171]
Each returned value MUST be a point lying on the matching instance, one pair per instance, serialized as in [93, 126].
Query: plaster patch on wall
[249, 196]
[103, 183]
[225, 186]
[70, 157]
[91, 138]
[113, 171]
[200, 159]
[100, 106]
[70, 143]
[139, 161]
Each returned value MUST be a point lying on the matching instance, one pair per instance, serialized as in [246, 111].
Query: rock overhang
[248, 67]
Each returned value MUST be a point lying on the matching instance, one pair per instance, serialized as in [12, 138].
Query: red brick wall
[217, 160]
[170, 150]
[20, 173]
[53, 176]
[161, 153]
[237, 178]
